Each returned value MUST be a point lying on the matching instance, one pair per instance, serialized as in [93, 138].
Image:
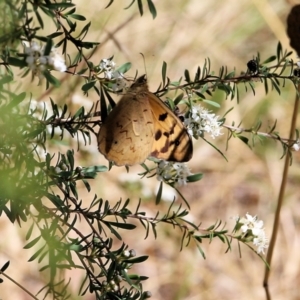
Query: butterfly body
[141, 125]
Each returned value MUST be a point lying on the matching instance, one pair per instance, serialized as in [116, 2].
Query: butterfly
[141, 125]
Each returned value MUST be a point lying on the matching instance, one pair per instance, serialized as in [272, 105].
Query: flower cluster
[38, 62]
[172, 172]
[253, 231]
[200, 120]
[108, 66]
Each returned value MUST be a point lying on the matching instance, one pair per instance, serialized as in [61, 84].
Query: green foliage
[30, 174]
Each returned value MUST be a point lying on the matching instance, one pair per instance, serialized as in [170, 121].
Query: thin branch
[16, 283]
[280, 201]
[264, 134]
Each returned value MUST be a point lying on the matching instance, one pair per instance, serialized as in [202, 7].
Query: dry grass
[229, 33]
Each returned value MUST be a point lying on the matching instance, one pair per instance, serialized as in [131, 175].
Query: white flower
[57, 170]
[56, 61]
[261, 242]
[107, 64]
[126, 253]
[296, 146]
[38, 62]
[253, 230]
[252, 224]
[108, 67]
[200, 120]
[172, 172]
[120, 84]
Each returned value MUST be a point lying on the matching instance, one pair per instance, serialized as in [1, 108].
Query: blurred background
[184, 34]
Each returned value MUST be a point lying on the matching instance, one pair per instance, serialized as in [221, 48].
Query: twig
[280, 201]
[268, 135]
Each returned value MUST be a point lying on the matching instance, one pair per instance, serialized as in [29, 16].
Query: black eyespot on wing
[157, 135]
[181, 118]
[162, 117]
[165, 148]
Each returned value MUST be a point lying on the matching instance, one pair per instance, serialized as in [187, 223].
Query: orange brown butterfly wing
[171, 139]
[141, 125]
[126, 136]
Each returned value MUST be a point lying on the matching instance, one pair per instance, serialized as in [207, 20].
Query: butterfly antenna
[144, 64]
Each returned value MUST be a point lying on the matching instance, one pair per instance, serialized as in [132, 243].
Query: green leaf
[54, 34]
[201, 251]
[212, 103]
[140, 5]
[198, 74]
[164, 72]
[137, 277]
[5, 266]
[111, 101]
[279, 52]
[87, 86]
[39, 18]
[109, 4]
[85, 29]
[153, 225]
[55, 6]
[124, 68]
[195, 177]
[56, 201]
[178, 99]
[122, 225]
[17, 99]
[28, 235]
[36, 254]
[270, 59]
[32, 243]
[200, 95]
[42, 256]
[159, 193]
[113, 231]
[266, 85]
[77, 248]
[136, 259]
[48, 47]
[71, 11]
[51, 79]
[152, 9]
[78, 17]
[88, 45]
[79, 112]
[44, 268]
[230, 75]
[275, 84]
[70, 155]
[13, 61]
[187, 76]
[244, 139]
[73, 188]
[6, 79]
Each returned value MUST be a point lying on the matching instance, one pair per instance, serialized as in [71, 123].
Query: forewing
[171, 139]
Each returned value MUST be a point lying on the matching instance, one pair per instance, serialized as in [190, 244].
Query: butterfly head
[141, 81]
